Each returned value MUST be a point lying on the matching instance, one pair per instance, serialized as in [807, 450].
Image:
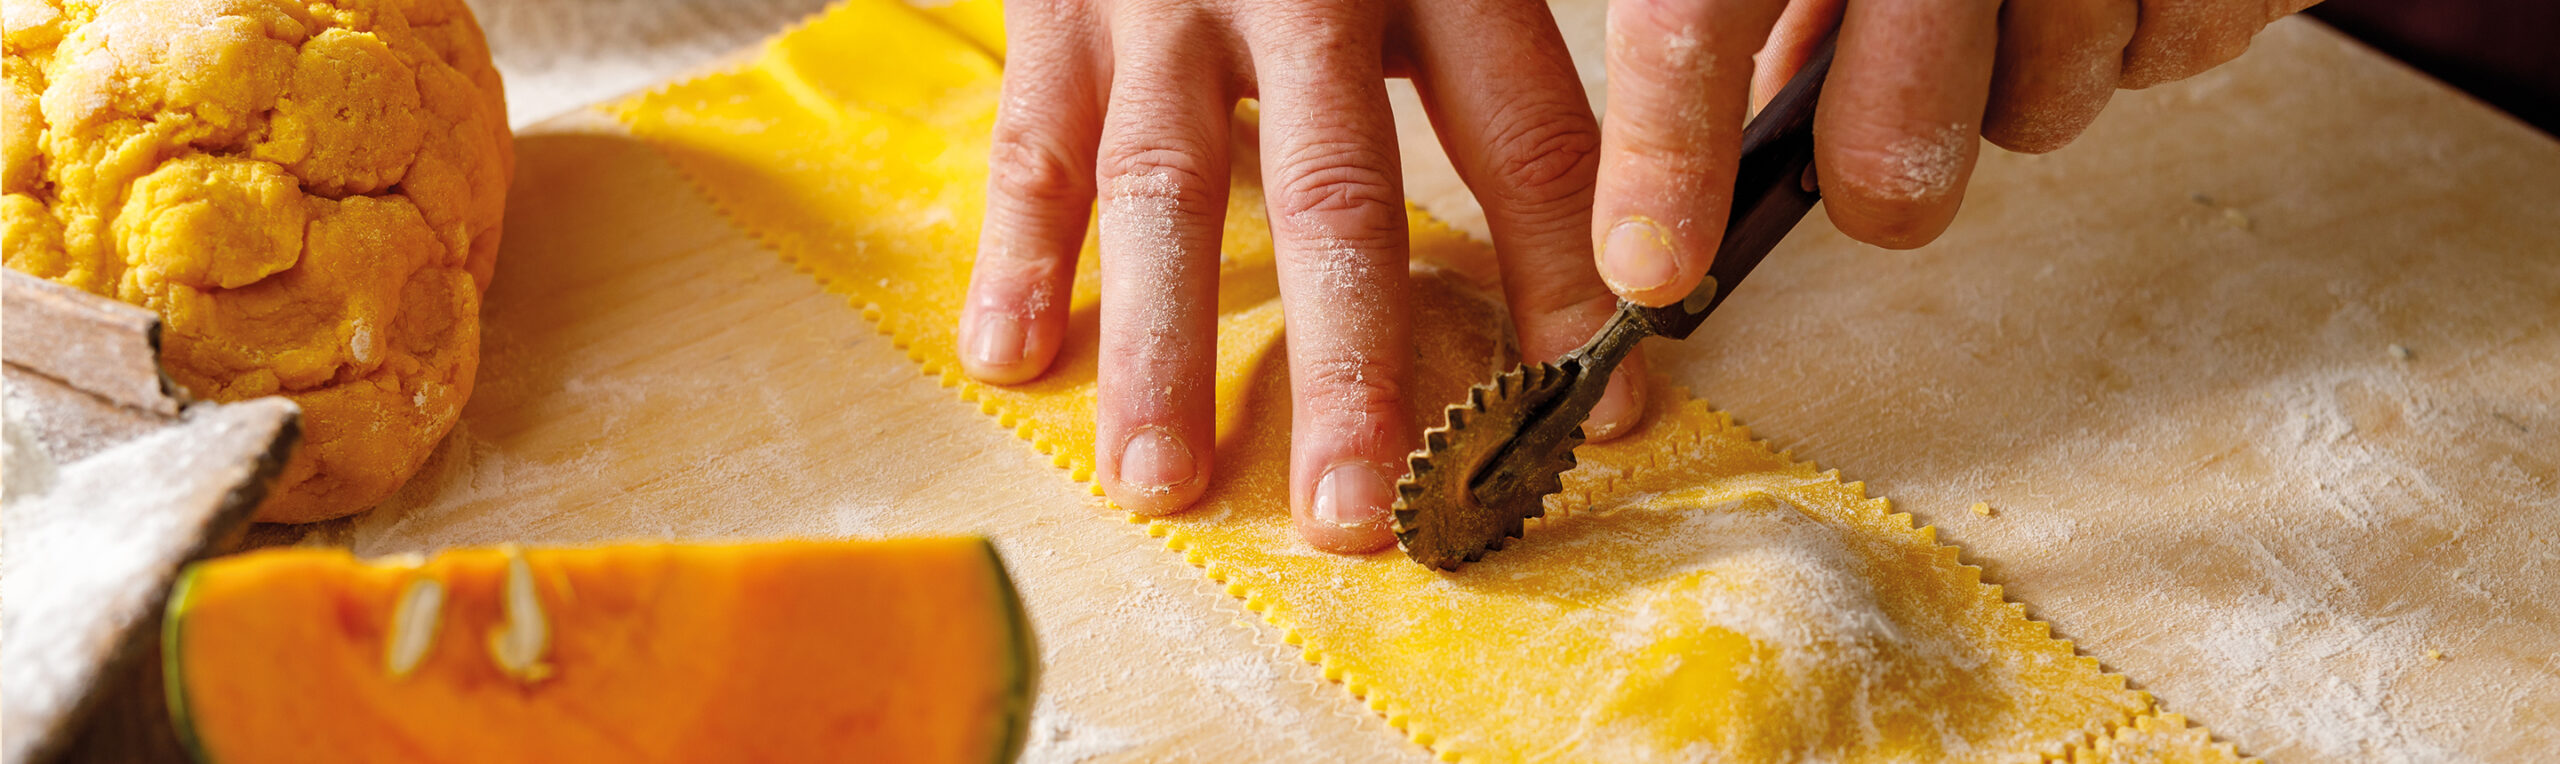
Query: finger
[1337, 220]
[1622, 404]
[1502, 94]
[2177, 39]
[2058, 63]
[1894, 133]
[1799, 32]
[1039, 196]
[1679, 73]
[1163, 175]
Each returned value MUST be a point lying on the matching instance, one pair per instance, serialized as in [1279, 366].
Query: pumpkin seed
[519, 642]
[401, 561]
[413, 626]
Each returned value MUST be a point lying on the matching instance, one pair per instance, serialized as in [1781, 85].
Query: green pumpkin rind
[1024, 660]
[173, 668]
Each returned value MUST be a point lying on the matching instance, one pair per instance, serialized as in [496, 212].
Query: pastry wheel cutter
[1483, 474]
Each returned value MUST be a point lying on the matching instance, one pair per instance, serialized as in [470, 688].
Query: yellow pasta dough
[1693, 596]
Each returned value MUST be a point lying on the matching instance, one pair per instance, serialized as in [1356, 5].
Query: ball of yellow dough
[308, 193]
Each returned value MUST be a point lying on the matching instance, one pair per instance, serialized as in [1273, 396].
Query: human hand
[1911, 85]
[1132, 99]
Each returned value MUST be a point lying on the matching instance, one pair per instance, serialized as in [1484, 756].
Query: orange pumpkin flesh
[909, 651]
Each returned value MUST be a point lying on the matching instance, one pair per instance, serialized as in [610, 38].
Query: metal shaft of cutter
[1773, 189]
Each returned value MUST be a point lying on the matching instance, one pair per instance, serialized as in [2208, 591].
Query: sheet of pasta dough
[1694, 596]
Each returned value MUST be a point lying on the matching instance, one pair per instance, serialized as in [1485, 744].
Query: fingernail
[1637, 257]
[1353, 495]
[1619, 408]
[1154, 461]
[998, 341]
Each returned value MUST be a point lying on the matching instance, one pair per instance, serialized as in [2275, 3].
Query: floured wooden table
[2163, 358]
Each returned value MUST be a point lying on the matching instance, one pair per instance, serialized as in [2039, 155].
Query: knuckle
[1545, 156]
[1354, 388]
[1343, 178]
[1018, 273]
[1559, 320]
[1554, 289]
[1170, 170]
[1150, 370]
[2039, 104]
[1032, 172]
[1015, 265]
[1899, 165]
[1671, 150]
[2177, 40]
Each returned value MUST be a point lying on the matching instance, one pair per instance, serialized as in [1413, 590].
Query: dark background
[2505, 52]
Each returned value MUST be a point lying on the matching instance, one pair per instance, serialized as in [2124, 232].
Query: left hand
[1130, 100]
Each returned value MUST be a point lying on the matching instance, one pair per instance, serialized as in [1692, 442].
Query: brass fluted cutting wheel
[1468, 496]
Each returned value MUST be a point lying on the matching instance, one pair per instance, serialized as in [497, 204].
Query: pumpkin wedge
[907, 651]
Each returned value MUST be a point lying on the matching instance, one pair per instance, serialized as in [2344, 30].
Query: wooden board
[2203, 459]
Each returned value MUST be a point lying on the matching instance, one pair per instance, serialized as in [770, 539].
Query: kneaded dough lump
[307, 192]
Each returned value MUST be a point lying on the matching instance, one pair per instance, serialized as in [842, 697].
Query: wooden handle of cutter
[1773, 188]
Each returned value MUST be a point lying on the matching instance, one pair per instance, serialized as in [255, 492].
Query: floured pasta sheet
[1694, 595]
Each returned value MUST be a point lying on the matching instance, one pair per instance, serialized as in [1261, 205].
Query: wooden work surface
[2164, 357]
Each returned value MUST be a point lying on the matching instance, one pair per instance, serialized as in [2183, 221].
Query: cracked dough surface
[307, 193]
[1695, 594]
